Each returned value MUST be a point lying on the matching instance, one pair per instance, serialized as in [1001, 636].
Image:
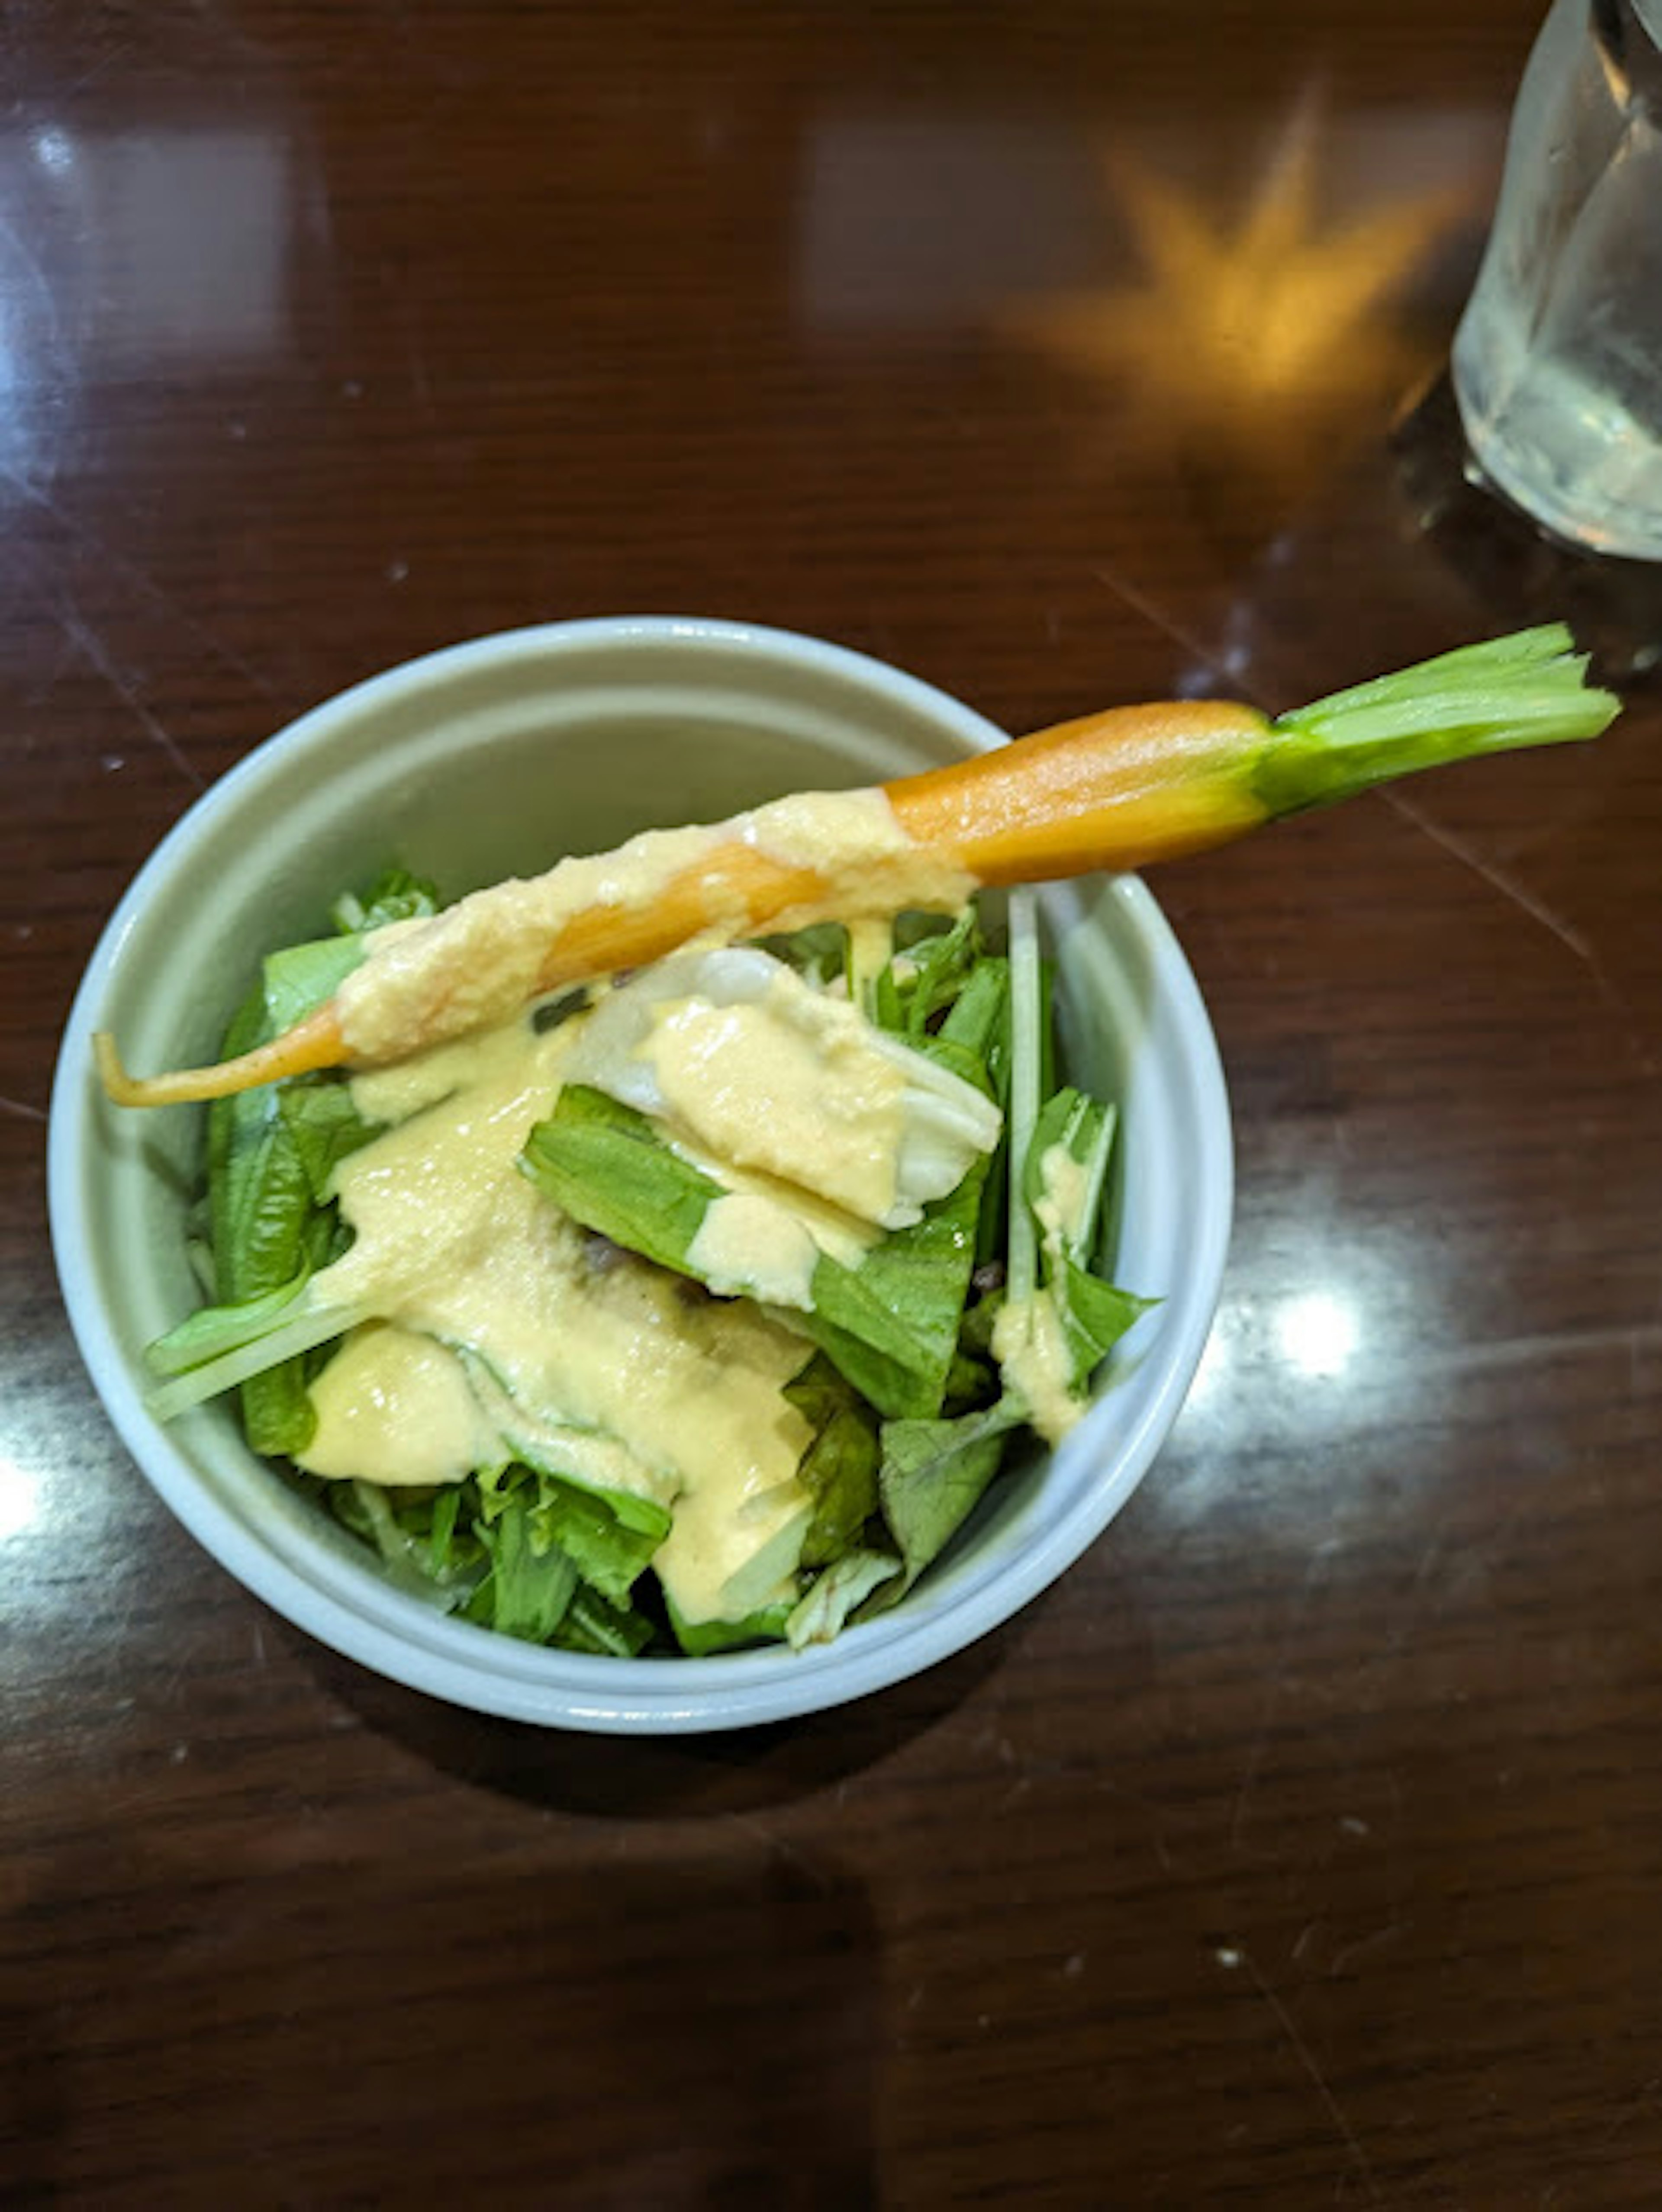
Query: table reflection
[138, 245]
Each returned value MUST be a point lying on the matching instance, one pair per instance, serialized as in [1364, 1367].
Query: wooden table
[1302, 1846]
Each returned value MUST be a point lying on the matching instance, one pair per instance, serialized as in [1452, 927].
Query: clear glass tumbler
[1558, 359]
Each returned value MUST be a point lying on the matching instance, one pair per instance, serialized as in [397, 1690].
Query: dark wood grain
[1301, 1847]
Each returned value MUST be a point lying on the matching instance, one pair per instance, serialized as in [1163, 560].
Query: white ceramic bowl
[494, 758]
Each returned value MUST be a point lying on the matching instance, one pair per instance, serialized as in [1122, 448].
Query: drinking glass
[1557, 364]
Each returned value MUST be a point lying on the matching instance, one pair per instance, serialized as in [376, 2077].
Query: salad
[697, 1307]
[691, 1310]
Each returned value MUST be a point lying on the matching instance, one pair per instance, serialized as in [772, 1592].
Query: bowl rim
[609, 1695]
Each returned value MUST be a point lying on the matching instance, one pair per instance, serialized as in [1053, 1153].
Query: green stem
[243, 1353]
[1026, 1052]
[1529, 689]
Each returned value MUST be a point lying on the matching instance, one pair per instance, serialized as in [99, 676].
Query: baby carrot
[1124, 789]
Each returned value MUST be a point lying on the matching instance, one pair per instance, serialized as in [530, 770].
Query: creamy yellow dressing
[1031, 1349]
[870, 948]
[1028, 1340]
[854, 842]
[726, 1558]
[588, 1457]
[789, 1085]
[840, 1235]
[748, 1246]
[776, 1088]
[481, 959]
[680, 1396]
[395, 1409]
[1064, 1194]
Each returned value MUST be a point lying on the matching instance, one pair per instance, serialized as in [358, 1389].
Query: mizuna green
[908, 1409]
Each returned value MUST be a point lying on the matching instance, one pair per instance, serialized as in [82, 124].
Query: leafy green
[1528, 689]
[270, 1228]
[839, 1468]
[302, 976]
[608, 1555]
[1060, 1140]
[1026, 1090]
[212, 1332]
[220, 1347]
[978, 1017]
[820, 1615]
[890, 1325]
[923, 980]
[394, 896]
[271, 1152]
[486, 1547]
[604, 1165]
[421, 1546]
[530, 1583]
[239, 1130]
[972, 1380]
[264, 1234]
[556, 1454]
[699, 1638]
[1082, 1127]
[443, 1539]
[1095, 1315]
[609, 1632]
[991, 1225]
[323, 1126]
[934, 1474]
[819, 952]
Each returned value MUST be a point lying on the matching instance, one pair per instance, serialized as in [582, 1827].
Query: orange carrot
[1127, 788]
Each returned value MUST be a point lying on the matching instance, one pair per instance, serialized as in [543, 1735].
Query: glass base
[1517, 566]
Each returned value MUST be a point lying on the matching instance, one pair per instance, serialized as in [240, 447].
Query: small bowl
[493, 758]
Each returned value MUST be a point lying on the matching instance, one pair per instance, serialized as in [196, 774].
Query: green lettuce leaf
[264, 1238]
[819, 952]
[394, 896]
[607, 1632]
[422, 1544]
[212, 1332]
[839, 1468]
[323, 1127]
[932, 1476]
[700, 1639]
[891, 1324]
[609, 1557]
[300, 977]
[1095, 1315]
[269, 1152]
[487, 1547]
[449, 1549]
[1054, 1225]
[925, 977]
[1071, 1122]
[1095, 1312]
[530, 1584]
[604, 1165]
[239, 1132]
[972, 1380]
[554, 1453]
[825, 1611]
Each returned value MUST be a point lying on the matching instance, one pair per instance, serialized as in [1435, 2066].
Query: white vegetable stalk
[1026, 1057]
